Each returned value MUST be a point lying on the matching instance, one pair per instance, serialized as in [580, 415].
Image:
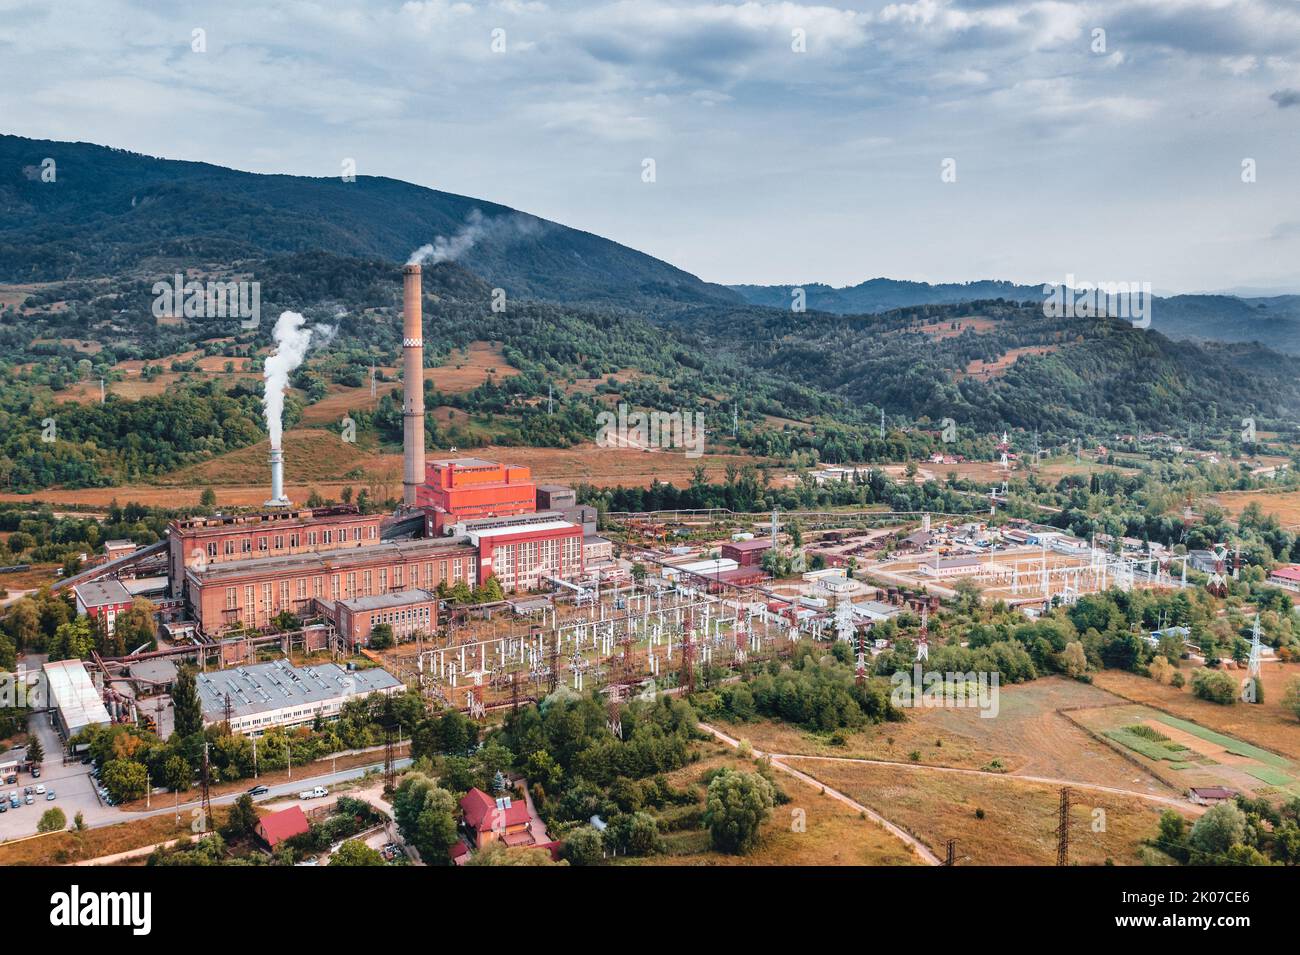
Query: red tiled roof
[279, 826]
[1287, 573]
[479, 808]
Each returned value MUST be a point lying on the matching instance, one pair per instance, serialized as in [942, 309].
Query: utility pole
[254, 757]
[1063, 829]
[205, 803]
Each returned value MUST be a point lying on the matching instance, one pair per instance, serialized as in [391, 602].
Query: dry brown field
[834, 834]
[1020, 818]
[1285, 505]
[986, 371]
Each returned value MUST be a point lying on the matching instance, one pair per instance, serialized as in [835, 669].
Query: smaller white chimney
[277, 480]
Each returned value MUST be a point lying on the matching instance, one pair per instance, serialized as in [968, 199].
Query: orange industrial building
[202, 541]
[251, 593]
[461, 489]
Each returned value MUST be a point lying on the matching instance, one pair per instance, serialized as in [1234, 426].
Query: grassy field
[1266, 725]
[832, 833]
[1019, 818]
[1186, 754]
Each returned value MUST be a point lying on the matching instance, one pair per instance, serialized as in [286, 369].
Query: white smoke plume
[476, 229]
[292, 339]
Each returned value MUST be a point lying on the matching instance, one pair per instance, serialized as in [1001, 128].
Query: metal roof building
[76, 701]
[281, 694]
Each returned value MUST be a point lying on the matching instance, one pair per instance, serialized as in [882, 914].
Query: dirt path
[1170, 801]
[919, 847]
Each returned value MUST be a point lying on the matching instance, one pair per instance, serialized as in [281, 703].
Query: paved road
[917, 846]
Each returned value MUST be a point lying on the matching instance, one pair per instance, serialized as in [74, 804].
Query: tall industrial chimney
[278, 499]
[413, 382]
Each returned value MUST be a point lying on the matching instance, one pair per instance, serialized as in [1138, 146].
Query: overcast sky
[772, 166]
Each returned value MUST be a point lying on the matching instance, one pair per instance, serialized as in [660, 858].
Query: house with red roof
[489, 818]
[1287, 576]
[277, 827]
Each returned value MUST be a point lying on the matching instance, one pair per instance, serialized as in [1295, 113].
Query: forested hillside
[109, 211]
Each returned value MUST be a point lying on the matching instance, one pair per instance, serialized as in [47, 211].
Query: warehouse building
[103, 600]
[74, 698]
[407, 611]
[256, 698]
[523, 551]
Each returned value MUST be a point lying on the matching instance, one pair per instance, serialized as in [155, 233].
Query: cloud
[1285, 98]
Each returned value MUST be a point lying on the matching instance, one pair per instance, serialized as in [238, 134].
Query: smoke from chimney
[477, 228]
[292, 339]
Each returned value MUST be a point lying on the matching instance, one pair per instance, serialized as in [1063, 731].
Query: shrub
[1214, 686]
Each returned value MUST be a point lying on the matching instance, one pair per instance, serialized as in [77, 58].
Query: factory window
[232, 602]
[352, 585]
[261, 543]
[372, 530]
[302, 588]
[383, 579]
[246, 545]
[266, 597]
[317, 587]
[329, 536]
[398, 576]
[356, 533]
[311, 538]
[334, 587]
[284, 593]
[279, 542]
[248, 598]
[365, 583]
[229, 547]
[212, 550]
[293, 539]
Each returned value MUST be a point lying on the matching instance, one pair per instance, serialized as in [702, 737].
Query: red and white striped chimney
[413, 384]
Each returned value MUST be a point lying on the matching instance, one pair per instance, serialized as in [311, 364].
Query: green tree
[242, 821]
[381, 636]
[1222, 827]
[185, 701]
[1215, 686]
[356, 852]
[583, 846]
[208, 498]
[426, 816]
[1291, 697]
[125, 779]
[735, 809]
[35, 752]
[52, 820]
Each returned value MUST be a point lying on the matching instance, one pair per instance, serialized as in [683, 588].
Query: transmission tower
[390, 762]
[1063, 829]
[688, 655]
[950, 857]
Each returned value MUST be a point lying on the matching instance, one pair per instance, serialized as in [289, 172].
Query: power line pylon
[950, 857]
[1063, 829]
[390, 751]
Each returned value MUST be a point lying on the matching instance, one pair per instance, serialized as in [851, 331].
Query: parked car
[29, 800]
[259, 790]
[313, 793]
[36, 772]
[49, 796]
[4, 807]
[40, 790]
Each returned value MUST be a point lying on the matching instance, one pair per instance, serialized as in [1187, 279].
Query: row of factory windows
[403, 619]
[267, 543]
[344, 586]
